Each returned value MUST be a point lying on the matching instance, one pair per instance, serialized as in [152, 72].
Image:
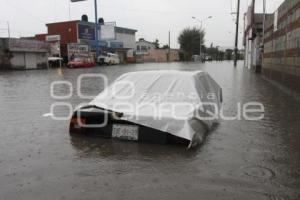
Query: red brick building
[67, 31]
[281, 59]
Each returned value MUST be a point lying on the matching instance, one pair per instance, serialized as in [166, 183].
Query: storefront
[25, 54]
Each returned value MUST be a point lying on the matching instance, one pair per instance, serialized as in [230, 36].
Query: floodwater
[239, 160]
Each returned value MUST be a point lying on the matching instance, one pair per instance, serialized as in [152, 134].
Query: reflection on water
[239, 159]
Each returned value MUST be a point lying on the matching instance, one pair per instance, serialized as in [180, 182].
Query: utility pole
[237, 33]
[264, 23]
[201, 25]
[8, 29]
[96, 29]
[169, 53]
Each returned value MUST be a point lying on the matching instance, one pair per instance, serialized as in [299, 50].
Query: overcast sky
[152, 18]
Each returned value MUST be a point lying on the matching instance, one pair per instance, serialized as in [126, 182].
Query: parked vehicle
[55, 61]
[109, 59]
[133, 111]
[81, 62]
[208, 58]
[101, 59]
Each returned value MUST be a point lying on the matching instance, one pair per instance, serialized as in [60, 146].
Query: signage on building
[78, 50]
[54, 42]
[276, 20]
[27, 45]
[114, 44]
[53, 38]
[86, 32]
[107, 32]
[101, 43]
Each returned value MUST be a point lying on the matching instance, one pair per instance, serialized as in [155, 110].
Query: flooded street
[239, 160]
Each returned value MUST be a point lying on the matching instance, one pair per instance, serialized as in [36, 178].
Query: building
[143, 47]
[253, 36]
[112, 38]
[159, 55]
[281, 58]
[23, 54]
[146, 52]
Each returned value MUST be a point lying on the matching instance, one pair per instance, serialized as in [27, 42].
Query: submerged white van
[109, 59]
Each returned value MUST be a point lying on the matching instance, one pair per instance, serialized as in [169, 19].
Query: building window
[138, 48]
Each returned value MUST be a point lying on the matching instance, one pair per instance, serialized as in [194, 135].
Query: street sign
[78, 50]
[52, 38]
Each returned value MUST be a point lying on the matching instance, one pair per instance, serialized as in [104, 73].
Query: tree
[228, 54]
[165, 46]
[156, 44]
[189, 40]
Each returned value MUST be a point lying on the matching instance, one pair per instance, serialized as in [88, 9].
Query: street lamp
[201, 23]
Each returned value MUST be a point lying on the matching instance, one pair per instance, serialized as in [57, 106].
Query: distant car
[109, 59]
[101, 59]
[55, 61]
[208, 58]
[81, 63]
[130, 108]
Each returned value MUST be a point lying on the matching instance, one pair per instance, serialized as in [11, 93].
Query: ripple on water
[258, 172]
[276, 197]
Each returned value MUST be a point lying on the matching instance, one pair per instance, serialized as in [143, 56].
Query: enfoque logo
[178, 105]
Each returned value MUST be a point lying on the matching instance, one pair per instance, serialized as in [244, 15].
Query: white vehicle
[109, 59]
[159, 107]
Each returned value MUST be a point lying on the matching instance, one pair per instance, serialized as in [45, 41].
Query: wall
[28, 60]
[128, 40]
[160, 55]
[4, 54]
[281, 58]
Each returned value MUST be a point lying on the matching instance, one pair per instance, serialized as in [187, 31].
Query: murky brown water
[239, 160]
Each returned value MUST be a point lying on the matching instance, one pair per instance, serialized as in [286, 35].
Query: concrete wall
[160, 55]
[281, 59]
[127, 39]
[28, 60]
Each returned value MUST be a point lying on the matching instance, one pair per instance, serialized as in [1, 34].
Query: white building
[125, 37]
[143, 47]
[253, 40]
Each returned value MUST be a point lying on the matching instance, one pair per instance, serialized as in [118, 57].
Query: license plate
[125, 132]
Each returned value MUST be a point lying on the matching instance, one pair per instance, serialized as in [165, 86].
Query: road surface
[239, 160]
